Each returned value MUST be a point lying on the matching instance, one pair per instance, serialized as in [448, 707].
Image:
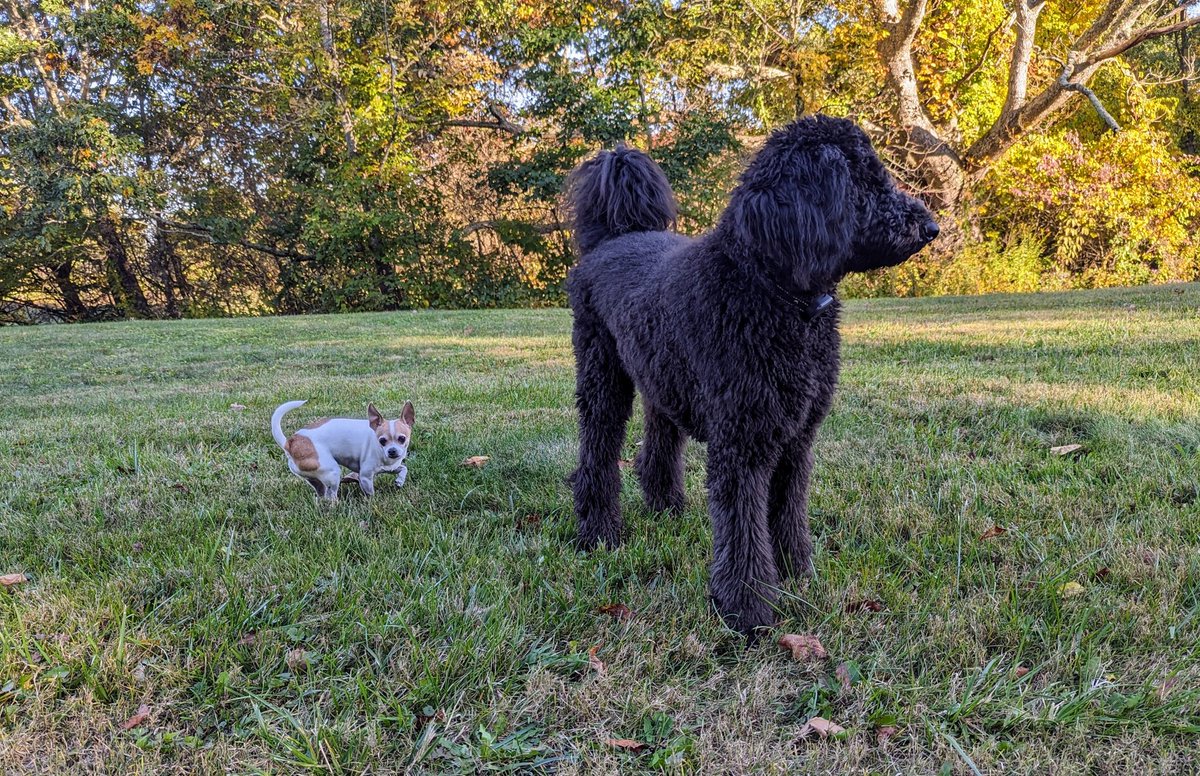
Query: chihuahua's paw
[401, 476]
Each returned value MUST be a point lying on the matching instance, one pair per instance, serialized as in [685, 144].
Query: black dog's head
[816, 203]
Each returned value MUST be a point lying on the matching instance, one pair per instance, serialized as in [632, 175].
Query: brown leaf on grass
[1102, 573]
[993, 532]
[624, 463]
[248, 640]
[428, 715]
[819, 727]
[531, 520]
[803, 647]
[884, 733]
[616, 611]
[865, 605]
[181, 487]
[137, 547]
[1062, 450]
[237, 407]
[297, 660]
[596, 663]
[476, 461]
[1072, 590]
[842, 672]
[11, 580]
[628, 744]
[1021, 671]
[143, 714]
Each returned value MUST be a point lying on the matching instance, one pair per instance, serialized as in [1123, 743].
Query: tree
[1041, 81]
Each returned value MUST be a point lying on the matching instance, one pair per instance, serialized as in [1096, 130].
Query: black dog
[731, 338]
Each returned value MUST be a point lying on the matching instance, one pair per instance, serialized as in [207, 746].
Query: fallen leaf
[9, 580]
[248, 640]
[867, 605]
[616, 611]
[143, 713]
[595, 662]
[884, 733]
[181, 487]
[993, 532]
[628, 744]
[842, 672]
[428, 715]
[296, 660]
[822, 727]
[803, 647]
[531, 520]
[624, 463]
[1102, 573]
[476, 461]
[1021, 671]
[468, 331]
[1072, 590]
[237, 407]
[137, 547]
[139, 671]
[1065, 449]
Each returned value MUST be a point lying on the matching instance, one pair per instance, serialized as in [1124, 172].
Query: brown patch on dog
[303, 452]
[317, 423]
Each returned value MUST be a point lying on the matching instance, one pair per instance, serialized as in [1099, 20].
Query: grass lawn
[446, 627]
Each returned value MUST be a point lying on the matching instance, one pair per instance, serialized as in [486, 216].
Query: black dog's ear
[793, 207]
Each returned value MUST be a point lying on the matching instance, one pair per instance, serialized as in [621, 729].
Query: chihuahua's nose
[393, 452]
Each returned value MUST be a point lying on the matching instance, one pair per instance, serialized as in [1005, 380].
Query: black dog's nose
[930, 230]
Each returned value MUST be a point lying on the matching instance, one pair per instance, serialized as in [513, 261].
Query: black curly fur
[711, 332]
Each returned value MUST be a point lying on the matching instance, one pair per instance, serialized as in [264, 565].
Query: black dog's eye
[383, 441]
[400, 439]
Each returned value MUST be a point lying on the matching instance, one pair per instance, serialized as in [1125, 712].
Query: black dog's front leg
[744, 580]
[788, 510]
[604, 397]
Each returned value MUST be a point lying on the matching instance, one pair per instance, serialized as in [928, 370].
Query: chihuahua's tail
[277, 419]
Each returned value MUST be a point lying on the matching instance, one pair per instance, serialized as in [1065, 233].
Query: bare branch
[1018, 69]
[493, 226]
[502, 122]
[1092, 98]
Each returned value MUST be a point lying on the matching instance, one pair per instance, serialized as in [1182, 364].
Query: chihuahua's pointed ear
[373, 417]
[407, 414]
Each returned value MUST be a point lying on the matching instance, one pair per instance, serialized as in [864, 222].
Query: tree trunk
[128, 294]
[939, 164]
[73, 306]
[161, 257]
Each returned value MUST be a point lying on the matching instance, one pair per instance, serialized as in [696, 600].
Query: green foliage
[1103, 206]
[177, 157]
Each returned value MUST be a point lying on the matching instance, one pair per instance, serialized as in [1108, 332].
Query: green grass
[445, 627]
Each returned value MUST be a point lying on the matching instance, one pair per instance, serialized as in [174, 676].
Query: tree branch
[1018, 69]
[502, 122]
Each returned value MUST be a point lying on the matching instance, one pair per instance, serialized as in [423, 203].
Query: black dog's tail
[615, 193]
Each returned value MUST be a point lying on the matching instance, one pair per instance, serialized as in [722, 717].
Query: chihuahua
[317, 452]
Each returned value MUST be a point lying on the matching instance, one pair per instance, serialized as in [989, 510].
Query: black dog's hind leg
[744, 580]
[659, 463]
[788, 512]
[604, 397]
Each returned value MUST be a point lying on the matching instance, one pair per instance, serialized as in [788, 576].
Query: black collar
[816, 306]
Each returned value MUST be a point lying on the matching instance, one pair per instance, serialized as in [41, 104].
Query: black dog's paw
[749, 616]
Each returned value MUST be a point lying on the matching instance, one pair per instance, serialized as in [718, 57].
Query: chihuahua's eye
[383, 441]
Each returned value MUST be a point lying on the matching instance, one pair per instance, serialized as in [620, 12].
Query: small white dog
[317, 452]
